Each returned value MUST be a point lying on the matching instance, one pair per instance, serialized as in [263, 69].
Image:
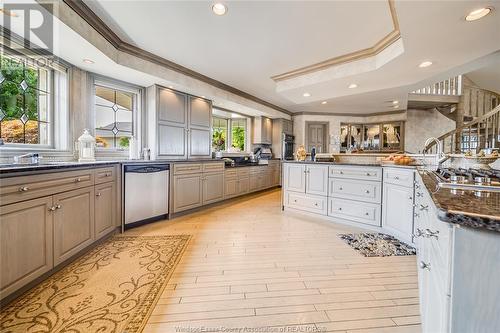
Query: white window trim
[139, 107]
[229, 136]
[58, 119]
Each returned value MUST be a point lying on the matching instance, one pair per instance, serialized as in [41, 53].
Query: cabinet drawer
[104, 175]
[213, 167]
[402, 177]
[310, 203]
[354, 172]
[355, 211]
[243, 172]
[29, 187]
[355, 189]
[187, 168]
[230, 174]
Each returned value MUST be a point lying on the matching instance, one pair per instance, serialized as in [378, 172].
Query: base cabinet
[243, 186]
[230, 188]
[25, 243]
[213, 188]
[397, 211]
[73, 222]
[187, 192]
[307, 202]
[105, 209]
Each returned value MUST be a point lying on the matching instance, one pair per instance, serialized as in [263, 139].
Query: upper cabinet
[262, 130]
[179, 124]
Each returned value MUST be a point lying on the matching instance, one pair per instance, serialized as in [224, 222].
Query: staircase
[482, 132]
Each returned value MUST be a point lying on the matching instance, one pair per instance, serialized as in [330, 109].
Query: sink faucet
[35, 158]
[440, 156]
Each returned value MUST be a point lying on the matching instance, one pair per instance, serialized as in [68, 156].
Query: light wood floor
[249, 265]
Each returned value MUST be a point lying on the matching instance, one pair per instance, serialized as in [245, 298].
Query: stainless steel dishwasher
[146, 193]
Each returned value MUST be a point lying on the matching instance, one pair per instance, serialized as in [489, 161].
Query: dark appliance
[287, 150]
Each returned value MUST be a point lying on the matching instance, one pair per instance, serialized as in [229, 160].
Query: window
[229, 132]
[238, 134]
[115, 107]
[25, 102]
[219, 134]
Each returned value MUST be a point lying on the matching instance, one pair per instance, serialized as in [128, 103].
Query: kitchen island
[455, 232]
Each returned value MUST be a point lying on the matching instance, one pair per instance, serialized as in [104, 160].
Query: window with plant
[238, 134]
[25, 101]
[219, 134]
[113, 117]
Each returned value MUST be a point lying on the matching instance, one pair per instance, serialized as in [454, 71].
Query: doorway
[317, 136]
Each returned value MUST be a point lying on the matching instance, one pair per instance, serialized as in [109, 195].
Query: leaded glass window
[25, 101]
[114, 117]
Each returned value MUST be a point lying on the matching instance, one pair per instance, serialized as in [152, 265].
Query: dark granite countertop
[245, 165]
[464, 207]
[376, 164]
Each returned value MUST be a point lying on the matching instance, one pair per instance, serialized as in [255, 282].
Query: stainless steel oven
[287, 149]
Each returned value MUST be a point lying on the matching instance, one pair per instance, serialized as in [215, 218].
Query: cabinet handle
[431, 233]
[58, 206]
[424, 265]
[416, 215]
[108, 175]
[51, 209]
[341, 172]
[419, 233]
[417, 186]
[368, 174]
[340, 208]
[77, 180]
[367, 213]
[422, 207]
[367, 191]
[294, 200]
[23, 189]
[420, 194]
[98, 194]
[396, 178]
[316, 204]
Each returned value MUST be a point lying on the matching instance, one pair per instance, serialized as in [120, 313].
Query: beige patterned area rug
[113, 288]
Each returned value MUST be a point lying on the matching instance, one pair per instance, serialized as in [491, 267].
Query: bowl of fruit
[481, 160]
[398, 159]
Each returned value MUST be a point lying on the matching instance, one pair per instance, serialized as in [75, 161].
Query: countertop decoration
[301, 153]
[86, 147]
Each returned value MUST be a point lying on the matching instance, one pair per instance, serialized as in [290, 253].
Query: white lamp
[86, 147]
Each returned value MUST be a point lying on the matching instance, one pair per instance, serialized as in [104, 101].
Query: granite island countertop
[374, 164]
[464, 207]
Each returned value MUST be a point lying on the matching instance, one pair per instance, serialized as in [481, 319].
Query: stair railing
[483, 132]
[448, 87]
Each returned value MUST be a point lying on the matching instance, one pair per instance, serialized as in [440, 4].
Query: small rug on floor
[377, 245]
[113, 288]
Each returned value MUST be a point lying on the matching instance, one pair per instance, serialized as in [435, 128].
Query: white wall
[422, 124]
[299, 126]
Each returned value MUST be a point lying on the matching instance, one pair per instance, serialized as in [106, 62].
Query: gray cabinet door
[230, 188]
[172, 123]
[73, 222]
[172, 106]
[200, 143]
[200, 124]
[26, 243]
[200, 112]
[104, 209]
[243, 185]
[213, 188]
[187, 192]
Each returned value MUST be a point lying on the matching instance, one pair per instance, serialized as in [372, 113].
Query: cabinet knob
[58, 206]
[416, 214]
[367, 213]
[426, 207]
[368, 174]
[424, 265]
[294, 200]
[340, 208]
[396, 177]
[98, 194]
[51, 209]
[420, 194]
[410, 198]
[341, 172]
[77, 180]
[316, 204]
[367, 191]
[23, 189]
[341, 188]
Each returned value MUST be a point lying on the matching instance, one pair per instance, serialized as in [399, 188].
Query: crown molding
[80, 8]
[381, 45]
[306, 113]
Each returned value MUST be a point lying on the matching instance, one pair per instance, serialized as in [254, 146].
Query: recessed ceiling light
[9, 12]
[88, 61]
[219, 9]
[477, 14]
[324, 102]
[395, 102]
[353, 85]
[425, 64]
[306, 94]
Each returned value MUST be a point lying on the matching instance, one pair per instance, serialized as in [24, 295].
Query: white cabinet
[356, 172]
[310, 203]
[361, 190]
[295, 177]
[317, 179]
[397, 211]
[398, 202]
[354, 211]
